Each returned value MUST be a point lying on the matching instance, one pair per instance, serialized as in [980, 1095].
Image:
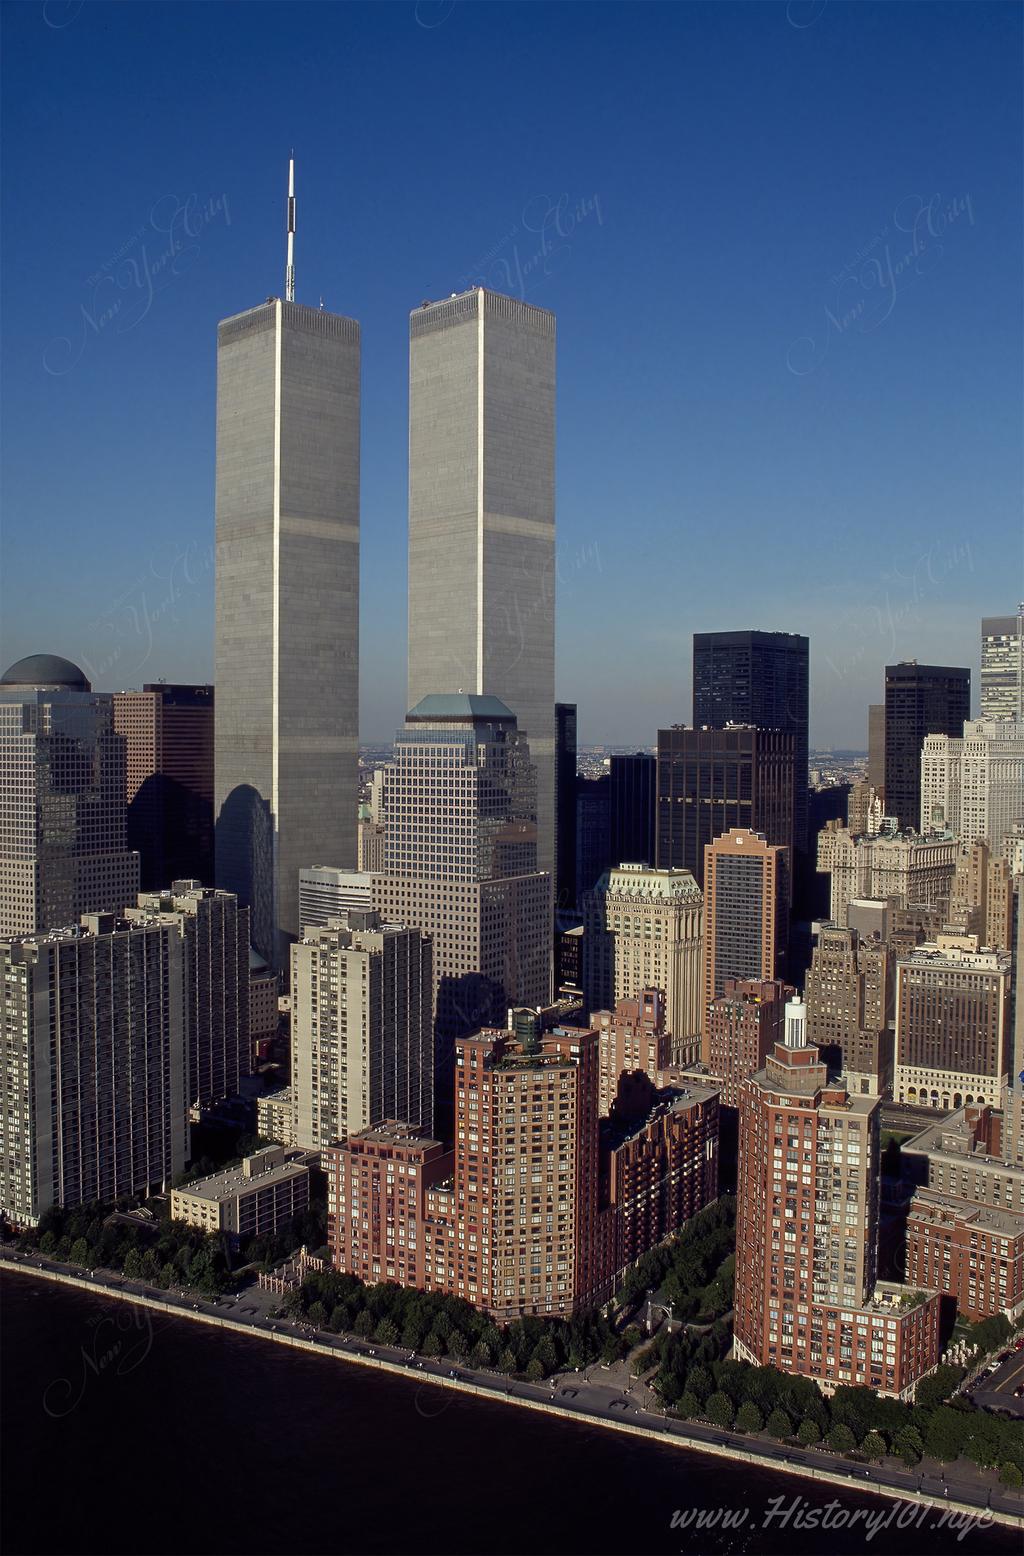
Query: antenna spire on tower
[289, 273]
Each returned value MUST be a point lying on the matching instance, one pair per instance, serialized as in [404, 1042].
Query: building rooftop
[46, 670]
[274, 1165]
[989, 1218]
[644, 881]
[463, 706]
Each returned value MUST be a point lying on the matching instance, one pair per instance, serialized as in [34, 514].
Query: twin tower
[481, 567]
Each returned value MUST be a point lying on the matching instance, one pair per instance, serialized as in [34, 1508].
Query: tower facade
[644, 931]
[362, 1034]
[287, 619]
[482, 516]
[460, 859]
[743, 930]
[63, 817]
[920, 700]
[710, 780]
[95, 1064]
[1002, 666]
[169, 736]
[758, 678]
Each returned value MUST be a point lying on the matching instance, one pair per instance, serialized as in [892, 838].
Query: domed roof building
[45, 672]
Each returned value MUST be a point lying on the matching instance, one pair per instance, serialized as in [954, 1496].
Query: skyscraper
[807, 1213]
[973, 783]
[565, 806]
[593, 832]
[643, 931]
[94, 1053]
[169, 735]
[460, 859]
[362, 1033]
[744, 937]
[917, 871]
[920, 700]
[63, 817]
[876, 746]
[712, 779]
[953, 1023]
[287, 619]
[758, 678]
[482, 516]
[1002, 666]
[215, 931]
[634, 805]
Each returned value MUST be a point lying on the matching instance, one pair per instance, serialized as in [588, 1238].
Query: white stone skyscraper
[482, 516]
[287, 625]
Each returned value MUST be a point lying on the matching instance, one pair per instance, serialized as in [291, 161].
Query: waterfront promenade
[596, 1396]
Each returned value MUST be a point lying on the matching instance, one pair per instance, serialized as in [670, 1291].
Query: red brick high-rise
[807, 1300]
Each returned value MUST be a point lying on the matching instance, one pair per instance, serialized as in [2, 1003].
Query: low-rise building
[254, 1199]
[971, 1252]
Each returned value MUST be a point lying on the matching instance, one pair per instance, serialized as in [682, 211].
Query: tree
[944, 1437]
[808, 1432]
[79, 1251]
[317, 1315]
[779, 1424]
[480, 1356]
[167, 1276]
[688, 1405]
[908, 1445]
[700, 1382]
[936, 1388]
[339, 1319]
[873, 1446]
[507, 1361]
[433, 1345]
[132, 1264]
[387, 1331]
[1010, 1475]
[535, 1369]
[841, 1439]
[719, 1409]
[47, 1243]
[748, 1417]
[364, 1324]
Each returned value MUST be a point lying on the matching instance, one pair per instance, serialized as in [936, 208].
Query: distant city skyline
[756, 427]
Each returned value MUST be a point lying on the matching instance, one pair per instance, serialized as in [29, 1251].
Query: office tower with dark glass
[63, 817]
[482, 516]
[287, 621]
[758, 678]
[712, 779]
[920, 700]
[565, 806]
[634, 804]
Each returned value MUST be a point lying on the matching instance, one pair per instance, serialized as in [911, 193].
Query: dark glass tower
[920, 700]
[634, 789]
[710, 780]
[565, 806]
[757, 678]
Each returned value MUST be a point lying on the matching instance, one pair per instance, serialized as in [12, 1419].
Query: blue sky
[783, 243]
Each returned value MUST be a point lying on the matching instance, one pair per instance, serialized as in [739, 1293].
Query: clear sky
[783, 243]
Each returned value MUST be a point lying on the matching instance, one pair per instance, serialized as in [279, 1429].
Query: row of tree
[162, 1252]
[435, 1324]
[699, 1385]
[694, 1270]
